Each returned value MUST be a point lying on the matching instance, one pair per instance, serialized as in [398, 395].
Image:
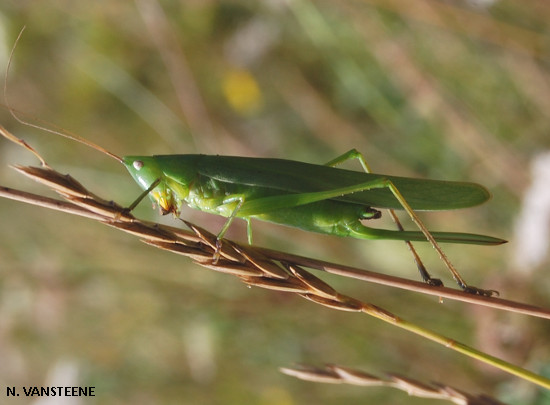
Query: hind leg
[355, 154]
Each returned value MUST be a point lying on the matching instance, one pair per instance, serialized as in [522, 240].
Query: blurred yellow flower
[242, 92]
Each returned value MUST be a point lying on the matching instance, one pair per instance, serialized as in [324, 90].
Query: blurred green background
[456, 90]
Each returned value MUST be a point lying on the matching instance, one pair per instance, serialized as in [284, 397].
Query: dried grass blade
[356, 377]
[153, 233]
[262, 262]
[21, 142]
[227, 250]
[417, 388]
[196, 253]
[317, 286]
[333, 374]
[237, 269]
[348, 304]
[289, 285]
[63, 184]
[313, 374]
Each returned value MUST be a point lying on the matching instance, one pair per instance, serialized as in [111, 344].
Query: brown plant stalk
[254, 266]
[84, 203]
[334, 374]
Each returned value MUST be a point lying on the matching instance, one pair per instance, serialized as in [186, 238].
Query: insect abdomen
[327, 217]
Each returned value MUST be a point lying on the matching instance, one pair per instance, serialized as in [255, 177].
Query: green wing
[297, 177]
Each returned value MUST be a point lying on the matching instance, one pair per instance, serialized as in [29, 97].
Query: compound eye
[138, 164]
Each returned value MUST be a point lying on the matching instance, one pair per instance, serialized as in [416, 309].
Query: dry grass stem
[255, 267]
[334, 374]
[239, 260]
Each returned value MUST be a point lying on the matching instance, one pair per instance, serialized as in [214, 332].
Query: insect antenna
[58, 131]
